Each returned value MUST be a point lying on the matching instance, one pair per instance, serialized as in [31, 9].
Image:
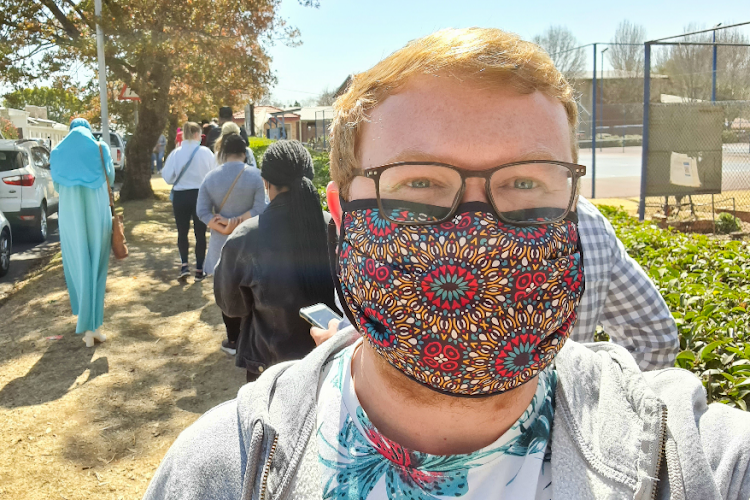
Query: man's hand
[319, 335]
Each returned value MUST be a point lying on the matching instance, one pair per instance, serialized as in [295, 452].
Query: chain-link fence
[686, 153]
[320, 130]
[696, 142]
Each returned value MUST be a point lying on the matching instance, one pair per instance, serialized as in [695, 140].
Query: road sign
[127, 94]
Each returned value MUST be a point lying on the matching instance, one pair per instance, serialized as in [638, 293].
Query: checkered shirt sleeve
[620, 296]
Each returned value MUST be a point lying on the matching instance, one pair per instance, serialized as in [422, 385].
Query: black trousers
[184, 210]
[233, 327]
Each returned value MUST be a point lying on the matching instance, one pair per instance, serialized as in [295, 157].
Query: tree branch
[67, 25]
[81, 14]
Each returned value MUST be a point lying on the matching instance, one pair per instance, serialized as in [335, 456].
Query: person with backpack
[229, 195]
[185, 169]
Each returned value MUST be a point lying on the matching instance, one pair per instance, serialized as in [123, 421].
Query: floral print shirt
[357, 462]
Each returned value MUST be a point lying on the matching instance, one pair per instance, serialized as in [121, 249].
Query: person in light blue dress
[85, 223]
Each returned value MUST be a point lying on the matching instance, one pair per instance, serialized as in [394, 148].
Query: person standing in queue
[229, 195]
[276, 263]
[81, 167]
[185, 169]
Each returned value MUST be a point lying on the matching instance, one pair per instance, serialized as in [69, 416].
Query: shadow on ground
[56, 371]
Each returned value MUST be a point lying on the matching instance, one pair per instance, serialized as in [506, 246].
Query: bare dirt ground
[79, 423]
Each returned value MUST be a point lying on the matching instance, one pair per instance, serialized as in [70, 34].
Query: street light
[713, 75]
[601, 96]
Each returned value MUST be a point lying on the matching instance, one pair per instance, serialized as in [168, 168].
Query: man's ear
[334, 203]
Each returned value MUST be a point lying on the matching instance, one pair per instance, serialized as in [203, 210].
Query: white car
[27, 193]
[6, 245]
[117, 149]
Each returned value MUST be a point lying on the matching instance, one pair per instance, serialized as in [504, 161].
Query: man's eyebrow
[419, 155]
[415, 155]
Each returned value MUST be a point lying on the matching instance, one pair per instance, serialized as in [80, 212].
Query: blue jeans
[156, 161]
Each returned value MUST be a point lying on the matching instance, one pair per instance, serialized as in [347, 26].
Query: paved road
[618, 170]
[26, 255]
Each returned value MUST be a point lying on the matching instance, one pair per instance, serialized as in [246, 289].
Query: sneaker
[199, 275]
[184, 272]
[229, 347]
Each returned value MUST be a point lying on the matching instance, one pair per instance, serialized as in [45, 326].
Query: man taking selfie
[461, 268]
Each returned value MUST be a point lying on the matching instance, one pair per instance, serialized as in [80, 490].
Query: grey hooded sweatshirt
[617, 433]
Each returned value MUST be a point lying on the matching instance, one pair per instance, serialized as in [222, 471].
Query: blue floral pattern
[360, 463]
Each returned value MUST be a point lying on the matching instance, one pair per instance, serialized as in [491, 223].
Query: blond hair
[190, 130]
[484, 55]
[227, 129]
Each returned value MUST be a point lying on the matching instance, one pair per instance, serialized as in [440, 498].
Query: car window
[114, 141]
[38, 157]
[10, 160]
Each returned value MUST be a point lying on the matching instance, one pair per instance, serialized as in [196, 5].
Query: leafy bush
[258, 145]
[727, 223]
[706, 284]
[8, 129]
[322, 166]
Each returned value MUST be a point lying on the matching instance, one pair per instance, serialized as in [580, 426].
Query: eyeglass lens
[531, 192]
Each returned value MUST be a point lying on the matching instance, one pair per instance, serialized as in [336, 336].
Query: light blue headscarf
[76, 160]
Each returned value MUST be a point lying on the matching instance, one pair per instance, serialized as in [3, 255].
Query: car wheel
[4, 253]
[39, 233]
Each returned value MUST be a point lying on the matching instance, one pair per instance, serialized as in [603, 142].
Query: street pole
[593, 129]
[644, 139]
[713, 72]
[601, 94]
[102, 71]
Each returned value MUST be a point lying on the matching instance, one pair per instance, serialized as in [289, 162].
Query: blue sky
[347, 36]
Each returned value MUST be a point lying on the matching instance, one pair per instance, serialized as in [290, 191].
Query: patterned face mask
[472, 306]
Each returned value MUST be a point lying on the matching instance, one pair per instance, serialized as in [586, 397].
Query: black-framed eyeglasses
[523, 193]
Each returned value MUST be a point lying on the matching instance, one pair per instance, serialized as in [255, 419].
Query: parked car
[117, 148]
[27, 193]
[6, 245]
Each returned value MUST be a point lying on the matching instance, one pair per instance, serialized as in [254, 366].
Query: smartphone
[318, 315]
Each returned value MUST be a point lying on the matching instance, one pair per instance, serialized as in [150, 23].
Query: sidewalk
[82, 423]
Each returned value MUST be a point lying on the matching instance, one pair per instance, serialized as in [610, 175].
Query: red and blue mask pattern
[472, 306]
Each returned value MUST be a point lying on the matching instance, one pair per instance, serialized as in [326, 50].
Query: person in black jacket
[225, 115]
[276, 263]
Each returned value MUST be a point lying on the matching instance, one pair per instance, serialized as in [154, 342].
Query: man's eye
[420, 183]
[524, 184]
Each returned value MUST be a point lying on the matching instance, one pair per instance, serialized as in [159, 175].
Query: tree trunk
[154, 111]
[171, 133]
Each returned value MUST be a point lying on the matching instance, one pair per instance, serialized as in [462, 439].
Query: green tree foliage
[61, 103]
[177, 56]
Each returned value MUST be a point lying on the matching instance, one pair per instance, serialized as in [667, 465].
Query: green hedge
[258, 145]
[320, 162]
[706, 284]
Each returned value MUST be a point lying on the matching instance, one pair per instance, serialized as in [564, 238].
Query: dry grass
[82, 423]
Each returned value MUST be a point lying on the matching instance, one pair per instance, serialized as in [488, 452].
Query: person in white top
[185, 169]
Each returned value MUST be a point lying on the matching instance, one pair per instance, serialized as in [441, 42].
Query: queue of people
[222, 189]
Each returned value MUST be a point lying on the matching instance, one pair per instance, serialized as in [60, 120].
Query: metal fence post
[644, 139]
[593, 130]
